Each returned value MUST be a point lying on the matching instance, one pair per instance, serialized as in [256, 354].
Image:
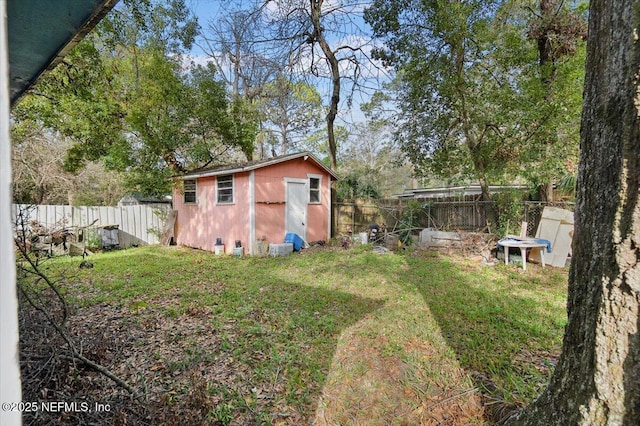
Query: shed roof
[253, 165]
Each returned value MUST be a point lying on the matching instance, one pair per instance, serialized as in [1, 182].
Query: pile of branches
[53, 371]
[56, 364]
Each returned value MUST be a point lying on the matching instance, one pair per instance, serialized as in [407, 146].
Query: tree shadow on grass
[508, 342]
[225, 347]
[297, 328]
[275, 343]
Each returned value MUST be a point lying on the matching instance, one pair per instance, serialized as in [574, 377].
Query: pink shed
[252, 201]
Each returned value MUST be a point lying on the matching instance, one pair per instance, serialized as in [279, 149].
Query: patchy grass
[330, 336]
[504, 324]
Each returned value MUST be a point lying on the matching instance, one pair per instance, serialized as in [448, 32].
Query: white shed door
[296, 216]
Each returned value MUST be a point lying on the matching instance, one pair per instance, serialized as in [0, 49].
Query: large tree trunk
[597, 379]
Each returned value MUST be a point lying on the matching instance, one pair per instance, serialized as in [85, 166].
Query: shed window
[225, 189]
[189, 189]
[314, 190]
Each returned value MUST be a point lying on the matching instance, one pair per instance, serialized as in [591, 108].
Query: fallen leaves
[184, 366]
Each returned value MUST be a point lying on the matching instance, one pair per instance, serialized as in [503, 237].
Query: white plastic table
[523, 246]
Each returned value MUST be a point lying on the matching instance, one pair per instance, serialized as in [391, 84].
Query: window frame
[219, 190]
[193, 191]
[317, 190]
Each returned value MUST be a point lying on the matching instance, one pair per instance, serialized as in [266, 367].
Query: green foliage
[552, 88]
[223, 413]
[316, 142]
[473, 99]
[356, 186]
[292, 110]
[409, 221]
[72, 99]
[567, 184]
[370, 154]
[510, 208]
[440, 50]
[93, 241]
[162, 24]
[243, 126]
[123, 96]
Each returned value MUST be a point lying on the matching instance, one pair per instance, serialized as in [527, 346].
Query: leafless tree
[39, 177]
[328, 41]
[317, 41]
[232, 42]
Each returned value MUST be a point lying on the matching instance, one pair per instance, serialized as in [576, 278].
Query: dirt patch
[170, 360]
[181, 366]
[368, 385]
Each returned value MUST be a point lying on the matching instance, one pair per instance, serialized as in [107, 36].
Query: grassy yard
[330, 337]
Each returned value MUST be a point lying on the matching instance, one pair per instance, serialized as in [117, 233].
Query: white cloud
[190, 61]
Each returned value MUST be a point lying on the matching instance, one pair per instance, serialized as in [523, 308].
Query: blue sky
[206, 9]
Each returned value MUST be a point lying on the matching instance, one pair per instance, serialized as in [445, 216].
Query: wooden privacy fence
[356, 215]
[444, 215]
[137, 225]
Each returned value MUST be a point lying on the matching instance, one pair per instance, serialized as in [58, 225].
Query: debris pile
[478, 245]
[56, 240]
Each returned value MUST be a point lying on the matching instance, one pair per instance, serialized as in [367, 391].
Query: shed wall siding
[198, 225]
[271, 195]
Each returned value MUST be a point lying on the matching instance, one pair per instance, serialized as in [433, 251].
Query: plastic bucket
[364, 238]
[294, 239]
